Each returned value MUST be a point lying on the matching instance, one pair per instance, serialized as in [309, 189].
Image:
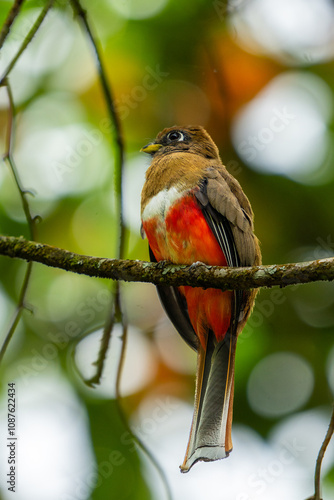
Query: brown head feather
[196, 140]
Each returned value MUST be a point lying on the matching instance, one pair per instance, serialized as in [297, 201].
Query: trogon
[193, 209]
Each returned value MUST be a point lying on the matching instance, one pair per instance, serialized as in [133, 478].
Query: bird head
[182, 139]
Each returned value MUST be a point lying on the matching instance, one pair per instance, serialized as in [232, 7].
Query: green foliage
[184, 63]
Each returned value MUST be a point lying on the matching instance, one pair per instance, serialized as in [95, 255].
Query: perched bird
[193, 210]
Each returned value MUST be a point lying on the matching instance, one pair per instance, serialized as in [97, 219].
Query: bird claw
[161, 264]
[195, 265]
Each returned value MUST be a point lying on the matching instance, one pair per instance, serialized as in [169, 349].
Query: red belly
[184, 237]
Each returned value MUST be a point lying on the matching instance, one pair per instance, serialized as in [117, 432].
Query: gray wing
[176, 309]
[222, 229]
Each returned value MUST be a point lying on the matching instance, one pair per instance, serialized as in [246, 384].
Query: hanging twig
[27, 40]
[317, 473]
[12, 15]
[117, 132]
[119, 143]
[8, 157]
[116, 314]
[135, 438]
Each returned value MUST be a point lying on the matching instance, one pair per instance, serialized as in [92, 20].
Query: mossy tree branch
[165, 273]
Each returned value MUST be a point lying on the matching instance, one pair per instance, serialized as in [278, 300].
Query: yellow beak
[150, 148]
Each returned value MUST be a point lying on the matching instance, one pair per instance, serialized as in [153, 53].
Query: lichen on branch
[165, 273]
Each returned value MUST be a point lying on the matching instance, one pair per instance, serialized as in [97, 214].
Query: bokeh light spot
[138, 9]
[279, 384]
[284, 129]
[294, 31]
[54, 452]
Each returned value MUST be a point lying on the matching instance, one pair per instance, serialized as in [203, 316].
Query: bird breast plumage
[177, 231]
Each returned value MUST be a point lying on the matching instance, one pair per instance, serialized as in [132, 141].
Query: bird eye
[176, 135]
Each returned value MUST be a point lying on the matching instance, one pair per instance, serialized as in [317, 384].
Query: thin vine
[31, 221]
[27, 39]
[8, 156]
[116, 313]
[12, 14]
[321, 454]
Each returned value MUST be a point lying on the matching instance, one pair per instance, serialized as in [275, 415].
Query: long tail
[210, 434]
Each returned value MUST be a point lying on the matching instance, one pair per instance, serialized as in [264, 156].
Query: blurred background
[259, 76]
